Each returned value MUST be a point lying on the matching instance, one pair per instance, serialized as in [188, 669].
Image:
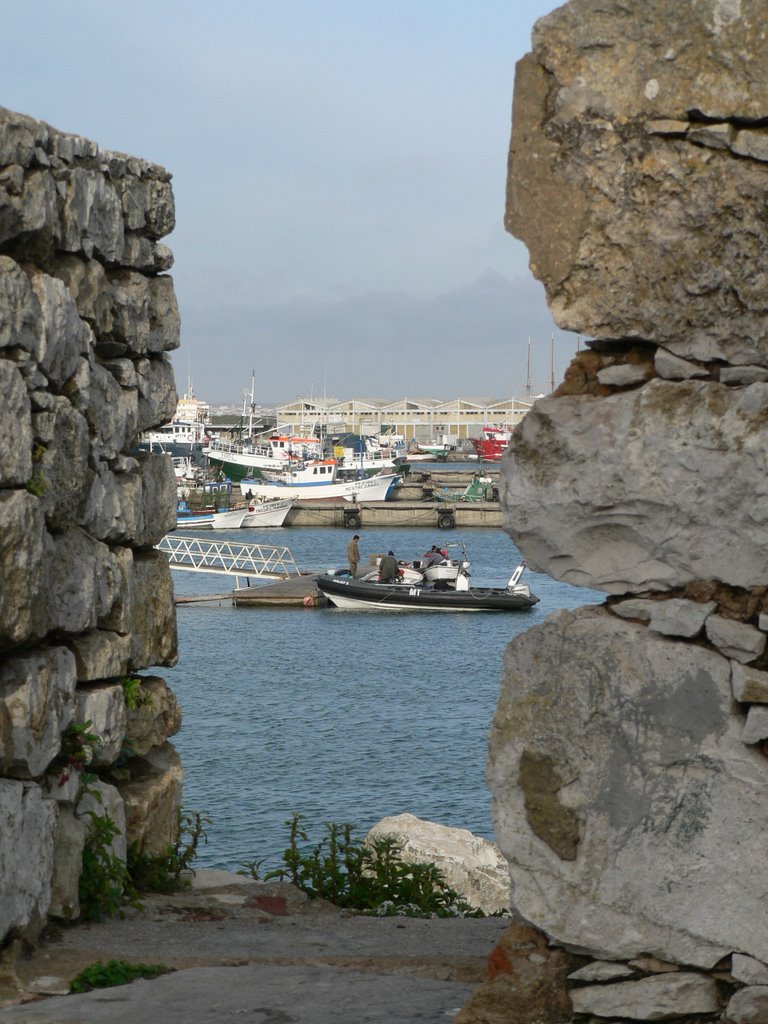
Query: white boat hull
[267, 514]
[231, 520]
[372, 488]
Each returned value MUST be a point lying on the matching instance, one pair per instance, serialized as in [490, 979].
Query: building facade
[420, 419]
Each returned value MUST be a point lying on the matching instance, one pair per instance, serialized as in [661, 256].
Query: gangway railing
[261, 560]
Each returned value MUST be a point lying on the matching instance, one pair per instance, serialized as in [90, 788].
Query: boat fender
[446, 521]
[352, 520]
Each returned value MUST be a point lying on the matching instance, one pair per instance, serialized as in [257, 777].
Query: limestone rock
[157, 392]
[22, 558]
[749, 971]
[749, 684]
[592, 193]
[155, 717]
[113, 510]
[67, 865]
[86, 281]
[104, 707]
[152, 800]
[62, 468]
[112, 414]
[660, 997]
[20, 321]
[154, 640]
[756, 726]
[15, 428]
[664, 451]
[158, 500]
[601, 970]
[100, 654]
[679, 617]
[613, 751]
[36, 705]
[672, 367]
[27, 830]
[81, 585]
[65, 337]
[748, 1006]
[471, 865]
[737, 640]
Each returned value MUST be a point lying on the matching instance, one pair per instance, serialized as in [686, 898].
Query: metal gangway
[260, 560]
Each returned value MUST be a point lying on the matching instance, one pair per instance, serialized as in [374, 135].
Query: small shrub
[135, 695]
[375, 878]
[103, 888]
[114, 972]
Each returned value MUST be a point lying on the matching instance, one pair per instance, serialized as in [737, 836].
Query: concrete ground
[261, 953]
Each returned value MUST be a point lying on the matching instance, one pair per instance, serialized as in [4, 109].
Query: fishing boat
[318, 481]
[271, 453]
[269, 513]
[209, 519]
[430, 450]
[345, 592]
[493, 442]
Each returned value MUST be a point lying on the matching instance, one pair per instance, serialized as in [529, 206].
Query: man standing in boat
[389, 570]
[353, 554]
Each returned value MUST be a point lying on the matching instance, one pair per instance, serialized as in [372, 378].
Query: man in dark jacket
[388, 569]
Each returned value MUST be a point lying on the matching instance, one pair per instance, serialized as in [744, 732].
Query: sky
[339, 175]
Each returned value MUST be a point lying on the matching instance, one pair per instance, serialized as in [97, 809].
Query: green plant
[135, 695]
[251, 868]
[114, 972]
[104, 887]
[372, 878]
[36, 487]
[162, 872]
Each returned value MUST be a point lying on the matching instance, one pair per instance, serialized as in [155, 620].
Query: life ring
[446, 521]
[352, 520]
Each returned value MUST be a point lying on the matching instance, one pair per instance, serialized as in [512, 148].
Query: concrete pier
[443, 516]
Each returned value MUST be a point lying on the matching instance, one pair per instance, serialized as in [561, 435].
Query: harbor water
[341, 716]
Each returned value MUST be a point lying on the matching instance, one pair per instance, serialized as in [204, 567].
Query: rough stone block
[737, 640]
[154, 639]
[615, 750]
[658, 454]
[750, 685]
[67, 866]
[153, 799]
[154, 718]
[100, 654]
[661, 997]
[27, 832]
[22, 556]
[104, 707]
[36, 704]
[15, 428]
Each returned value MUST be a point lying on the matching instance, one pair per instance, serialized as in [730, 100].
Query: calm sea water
[342, 716]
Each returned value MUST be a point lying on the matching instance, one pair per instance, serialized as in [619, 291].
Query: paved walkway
[261, 953]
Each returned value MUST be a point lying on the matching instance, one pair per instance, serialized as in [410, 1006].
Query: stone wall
[628, 753]
[87, 318]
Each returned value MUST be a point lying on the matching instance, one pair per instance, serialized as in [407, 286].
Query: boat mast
[528, 372]
[552, 364]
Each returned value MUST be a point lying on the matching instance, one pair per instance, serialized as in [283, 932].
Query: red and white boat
[493, 443]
